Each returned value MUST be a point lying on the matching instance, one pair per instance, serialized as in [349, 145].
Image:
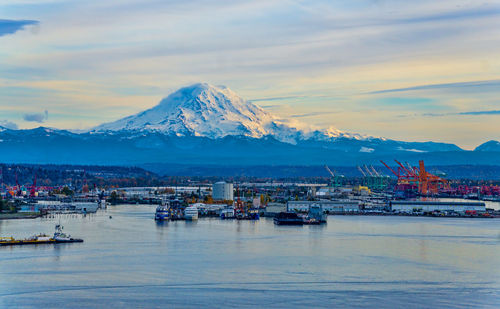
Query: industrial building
[222, 191]
[430, 206]
[329, 206]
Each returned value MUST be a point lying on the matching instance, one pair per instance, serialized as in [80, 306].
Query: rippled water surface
[353, 261]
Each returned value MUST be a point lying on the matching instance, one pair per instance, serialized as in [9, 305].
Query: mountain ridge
[202, 123]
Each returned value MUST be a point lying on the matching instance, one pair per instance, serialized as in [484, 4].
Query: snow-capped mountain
[216, 111]
[204, 124]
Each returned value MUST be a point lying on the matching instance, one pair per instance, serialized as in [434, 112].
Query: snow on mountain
[199, 110]
[215, 112]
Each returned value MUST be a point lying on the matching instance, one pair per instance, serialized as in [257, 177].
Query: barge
[58, 237]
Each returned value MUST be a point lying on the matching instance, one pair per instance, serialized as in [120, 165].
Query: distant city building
[222, 191]
[330, 206]
[428, 206]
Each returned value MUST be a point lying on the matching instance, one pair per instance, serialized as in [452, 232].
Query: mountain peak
[199, 110]
[489, 146]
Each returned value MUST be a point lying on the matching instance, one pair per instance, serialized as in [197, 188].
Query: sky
[406, 70]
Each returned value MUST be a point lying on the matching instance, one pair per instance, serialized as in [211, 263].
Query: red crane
[33, 188]
[427, 183]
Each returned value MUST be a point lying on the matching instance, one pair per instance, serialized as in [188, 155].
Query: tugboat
[60, 237]
[162, 213]
[288, 218]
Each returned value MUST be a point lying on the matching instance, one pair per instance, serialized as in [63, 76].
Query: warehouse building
[328, 206]
[430, 206]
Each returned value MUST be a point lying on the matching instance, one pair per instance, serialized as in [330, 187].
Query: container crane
[368, 171]
[329, 171]
[374, 171]
[427, 183]
[361, 171]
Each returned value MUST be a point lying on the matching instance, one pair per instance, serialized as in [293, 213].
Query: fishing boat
[162, 213]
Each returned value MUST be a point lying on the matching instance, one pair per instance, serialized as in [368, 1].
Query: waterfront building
[430, 206]
[328, 206]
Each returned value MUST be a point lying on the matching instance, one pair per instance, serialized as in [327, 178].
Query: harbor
[128, 256]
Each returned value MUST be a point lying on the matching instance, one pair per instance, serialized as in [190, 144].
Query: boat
[191, 213]
[162, 213]
[33, 240]
[288, 218]
[59, 237]
[227, 213]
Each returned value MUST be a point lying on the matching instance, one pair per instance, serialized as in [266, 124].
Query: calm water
[130, 261]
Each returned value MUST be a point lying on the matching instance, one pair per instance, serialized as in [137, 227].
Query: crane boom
[361, 170]
[329, 171]
[396, 174]
[368, 170]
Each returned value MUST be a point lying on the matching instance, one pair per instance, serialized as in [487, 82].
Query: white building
[330, 206]
[429, 206]
[222, 191]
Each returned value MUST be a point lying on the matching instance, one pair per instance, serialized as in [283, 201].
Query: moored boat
[162, 213]
[288, 218]
[191, 213]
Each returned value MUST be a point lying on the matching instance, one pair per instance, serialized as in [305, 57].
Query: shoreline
[17, 215]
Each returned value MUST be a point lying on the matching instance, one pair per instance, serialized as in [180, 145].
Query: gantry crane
[427, 183]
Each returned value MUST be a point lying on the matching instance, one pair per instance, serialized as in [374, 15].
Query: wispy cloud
[313, 114]
[278, 98]
[36, 117]
[468, 113]
[12, 26]
[471, 84]
[270, 106]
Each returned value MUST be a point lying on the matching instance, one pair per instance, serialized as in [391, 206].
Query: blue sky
[425, 70]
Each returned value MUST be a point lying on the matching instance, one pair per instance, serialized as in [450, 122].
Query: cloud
[270, 106]
[37, 117]
[8, 26]
[492, 112]
[277, 98]
[8, 124]
[468, 113]
[313, 114]
[472, 84]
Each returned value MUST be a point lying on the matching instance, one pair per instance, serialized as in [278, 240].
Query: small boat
[288, 218]
[191, 213]
[162, 213]
[227, 213]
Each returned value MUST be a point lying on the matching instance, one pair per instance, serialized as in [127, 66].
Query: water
[353, 261]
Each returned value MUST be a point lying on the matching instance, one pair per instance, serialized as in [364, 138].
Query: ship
[191, 213]
[162, 213]
[227, 213]
[58, 237]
